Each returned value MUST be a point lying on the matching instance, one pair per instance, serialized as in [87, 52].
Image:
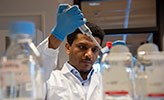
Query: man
[77, 79]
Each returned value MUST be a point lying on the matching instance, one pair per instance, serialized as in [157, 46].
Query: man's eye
[95, 50]
[82, 47]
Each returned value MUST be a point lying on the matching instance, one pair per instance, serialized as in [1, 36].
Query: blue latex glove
[68, 20]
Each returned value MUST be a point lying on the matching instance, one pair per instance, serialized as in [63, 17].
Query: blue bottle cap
[118, 42]
[22, 27]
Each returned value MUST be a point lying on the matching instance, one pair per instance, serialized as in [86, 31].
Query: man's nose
[89, 53]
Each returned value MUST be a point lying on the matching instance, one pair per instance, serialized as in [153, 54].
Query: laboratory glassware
[21, 70]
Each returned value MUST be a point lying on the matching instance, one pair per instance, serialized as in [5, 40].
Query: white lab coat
[62, 84]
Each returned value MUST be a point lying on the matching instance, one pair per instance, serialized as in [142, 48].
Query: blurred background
[134, 21]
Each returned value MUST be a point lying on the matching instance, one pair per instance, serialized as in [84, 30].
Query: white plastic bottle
[149, 72]
[117, 83]
[21, 71]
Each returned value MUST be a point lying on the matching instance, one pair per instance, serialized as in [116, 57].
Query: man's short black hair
[96, 32]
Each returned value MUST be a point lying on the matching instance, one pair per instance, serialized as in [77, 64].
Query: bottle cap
[119, 46]
[22, 27]
[109, 44]
[148, 47]
[118, 42]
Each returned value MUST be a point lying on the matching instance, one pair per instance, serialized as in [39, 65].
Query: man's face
[83, 52]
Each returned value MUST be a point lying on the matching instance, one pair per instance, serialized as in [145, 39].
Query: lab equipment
[107, 47]
[149, 72]
[119, 76]
[21, 70]
[85, 30]
[67, 21]
[98, 66]
[118, 42]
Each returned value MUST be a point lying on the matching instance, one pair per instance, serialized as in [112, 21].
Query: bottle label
[116, 78]
[15, 72]
[155, 84]
[20, 80]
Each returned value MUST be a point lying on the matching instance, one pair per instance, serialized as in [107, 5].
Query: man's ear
[67, 47]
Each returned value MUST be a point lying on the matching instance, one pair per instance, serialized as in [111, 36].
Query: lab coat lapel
[94, 83]
[68, 74]
[76, 84]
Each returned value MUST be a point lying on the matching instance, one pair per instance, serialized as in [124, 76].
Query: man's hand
[68, 20]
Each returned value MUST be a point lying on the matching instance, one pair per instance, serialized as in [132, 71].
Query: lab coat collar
[70, 68]
[76, 73]
[67, 73]
[65, 69]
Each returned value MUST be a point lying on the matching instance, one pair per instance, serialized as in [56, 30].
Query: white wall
[47, 7]
[22, 7]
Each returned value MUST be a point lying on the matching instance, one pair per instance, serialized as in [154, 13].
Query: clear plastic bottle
[21, 71]
[117, 79]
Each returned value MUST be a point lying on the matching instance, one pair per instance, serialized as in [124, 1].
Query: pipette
[85, 30]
